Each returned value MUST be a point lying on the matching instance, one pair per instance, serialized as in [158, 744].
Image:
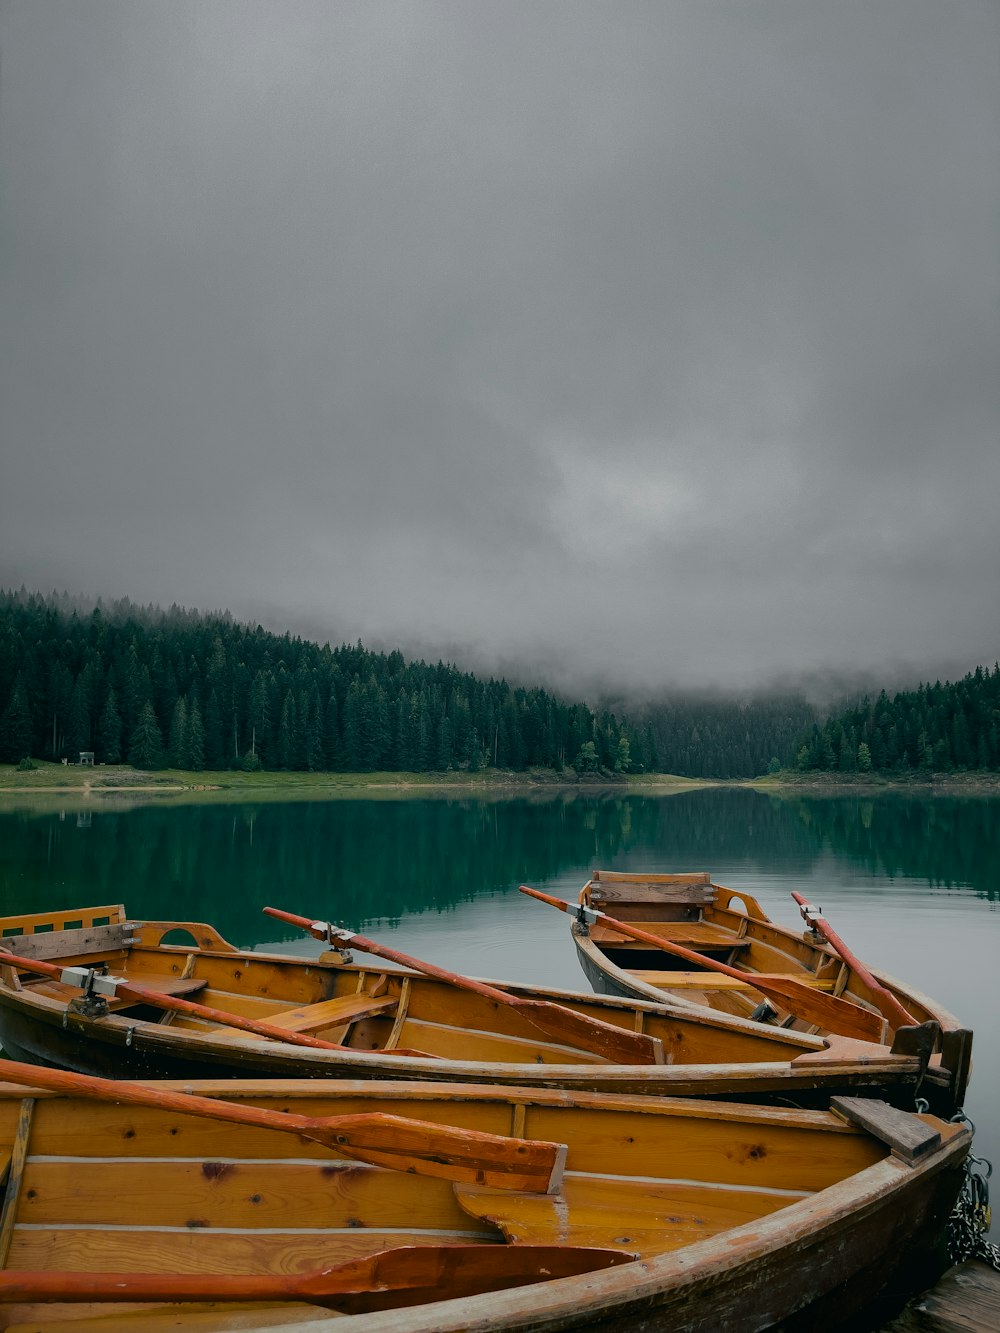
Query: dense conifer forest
[934, 728]
[176, 688]
[726, 738]
[179, 689]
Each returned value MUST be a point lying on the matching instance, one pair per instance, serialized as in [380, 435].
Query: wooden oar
[590, 1034]
[92, 982]
[385, 1140]
[828, 1011]
[886, 1001]
[445, 1271]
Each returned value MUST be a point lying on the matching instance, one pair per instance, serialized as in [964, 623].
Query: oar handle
[893, 1010]
[325, 930]
[322, 930]
[555, 1020]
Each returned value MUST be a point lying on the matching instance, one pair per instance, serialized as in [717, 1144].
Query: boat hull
[704, 1053]
[788, 1220]
[624, 970]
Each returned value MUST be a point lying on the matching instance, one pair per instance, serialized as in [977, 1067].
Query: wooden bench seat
[718, 981]
[691, 934]
[639, 1215]
[58, 990]
[338, 1012]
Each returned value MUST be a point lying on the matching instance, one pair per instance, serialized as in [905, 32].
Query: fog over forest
[620, 349]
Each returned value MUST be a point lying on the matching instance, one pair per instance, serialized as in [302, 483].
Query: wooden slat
[333, 1013]
[202, 1250]
[58, 990]
[230, 1193]
[167, 985]
[70, 943]
[457, 1043]
[906, 1134]
[605, 877]
[691, 934]
[650, 893]
[15, 1177]
[48, 922]
[638, 1215]
[718, 981]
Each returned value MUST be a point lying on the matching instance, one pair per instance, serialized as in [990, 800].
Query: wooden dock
[966, 1300]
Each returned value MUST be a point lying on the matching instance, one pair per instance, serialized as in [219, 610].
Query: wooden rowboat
[139, 1217]
[376, 1022]
[725, 926]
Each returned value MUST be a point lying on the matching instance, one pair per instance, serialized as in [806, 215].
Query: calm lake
[911, 883]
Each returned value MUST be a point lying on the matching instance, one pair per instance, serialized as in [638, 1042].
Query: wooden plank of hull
[808, 1267]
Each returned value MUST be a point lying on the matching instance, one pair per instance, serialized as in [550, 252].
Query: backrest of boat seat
[72, 941]
[651, 897]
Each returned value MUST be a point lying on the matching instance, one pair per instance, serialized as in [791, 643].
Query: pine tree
[109, 731]
[16, 732]
[195, 738]
[177, 747]
[145, 748]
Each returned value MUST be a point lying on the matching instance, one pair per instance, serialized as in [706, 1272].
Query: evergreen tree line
[934, 728]
[726, 738]
[175, 688]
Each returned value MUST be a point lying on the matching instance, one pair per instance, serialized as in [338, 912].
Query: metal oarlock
[587, 916]
[97, 986]
[331, 934]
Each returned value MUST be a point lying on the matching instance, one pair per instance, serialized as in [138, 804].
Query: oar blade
[414, 1275]
[406, 1275]
[828, 1011]
[618, 1045]
[442, 1150]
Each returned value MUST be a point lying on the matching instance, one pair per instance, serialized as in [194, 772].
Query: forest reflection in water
[912, 883]
[371, 861]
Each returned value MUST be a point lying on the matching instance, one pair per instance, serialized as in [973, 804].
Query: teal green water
[912, 884]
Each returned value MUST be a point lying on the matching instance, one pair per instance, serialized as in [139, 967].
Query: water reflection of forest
[362, 861]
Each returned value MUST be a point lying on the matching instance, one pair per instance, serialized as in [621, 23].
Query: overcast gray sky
[647, 342]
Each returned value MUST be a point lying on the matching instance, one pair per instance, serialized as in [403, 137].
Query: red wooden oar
[886, 1001]
[590, 1034]
[828, 1011]
[92, 982]
[445, 1271]
[385, 1140]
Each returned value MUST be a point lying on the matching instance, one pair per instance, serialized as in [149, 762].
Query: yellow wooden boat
[376, 1022]
[145, 1217]
[724, 926]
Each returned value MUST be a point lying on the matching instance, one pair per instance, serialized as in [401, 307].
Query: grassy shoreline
[119, 782]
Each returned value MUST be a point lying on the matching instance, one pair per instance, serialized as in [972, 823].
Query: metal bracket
[90, 1006]
[333, 935]
[587, 916]
[91, 981]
